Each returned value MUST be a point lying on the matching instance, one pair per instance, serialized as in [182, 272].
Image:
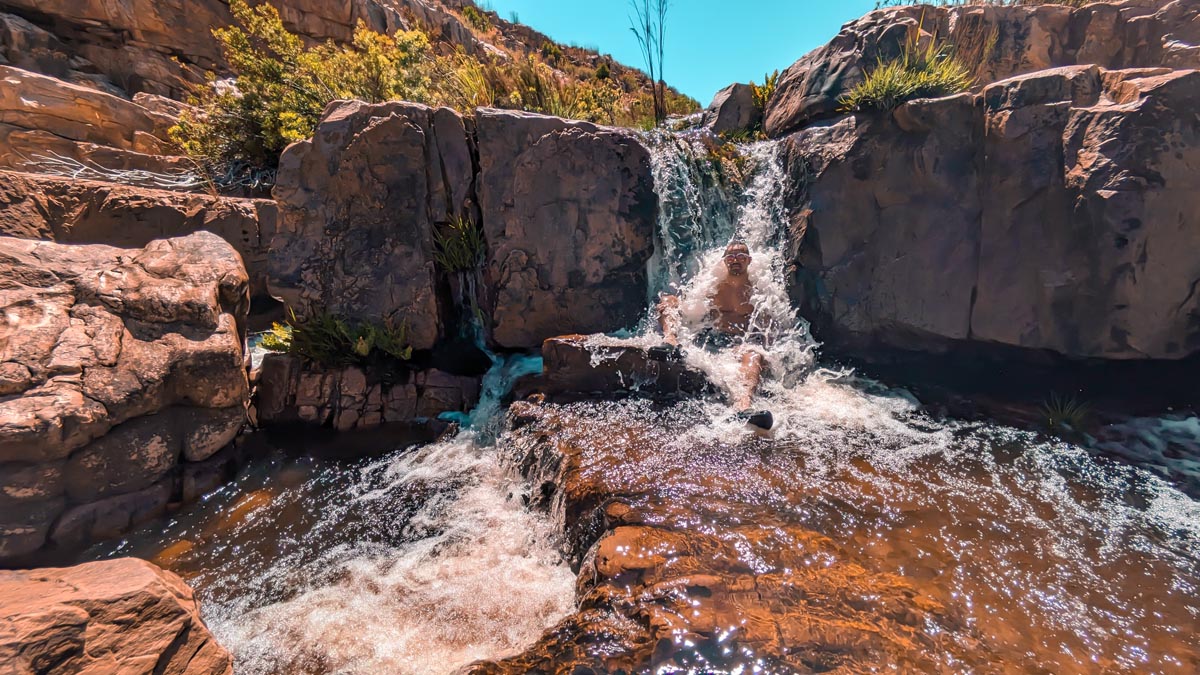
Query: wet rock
[579, 366]
[1050, 212]
[290, 391]
[1027, 38]
[569, 213]
[121, 615]
[681, 569]
[87, 212]
[113, 351]
[733, 109]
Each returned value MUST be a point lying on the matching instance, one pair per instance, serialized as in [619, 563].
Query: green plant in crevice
[763, 92]
[459, 246]
[1065, 412]
[919, 72]
[330, 341]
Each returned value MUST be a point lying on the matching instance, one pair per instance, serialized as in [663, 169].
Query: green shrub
[476, 19]
[460, 246]
[329, 341]
[919, 72]
[551, 52]
[602, 71]
[282, 87]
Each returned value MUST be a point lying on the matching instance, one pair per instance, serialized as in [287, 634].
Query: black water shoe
[762, 419]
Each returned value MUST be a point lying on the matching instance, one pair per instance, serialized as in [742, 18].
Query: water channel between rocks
[865, 535]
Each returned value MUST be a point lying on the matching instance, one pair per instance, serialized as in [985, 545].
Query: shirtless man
[729, 327]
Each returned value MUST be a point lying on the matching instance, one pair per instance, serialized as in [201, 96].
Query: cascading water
[1043, 557]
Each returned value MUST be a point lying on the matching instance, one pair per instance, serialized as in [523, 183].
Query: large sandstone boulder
[358, 204]
[116, 367]
[87, 212]
[1025, 38]
[569, 212]
[578, 366]
[1054, 211]
[116, 616]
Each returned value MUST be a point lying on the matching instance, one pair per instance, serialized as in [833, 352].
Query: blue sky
[710, 43]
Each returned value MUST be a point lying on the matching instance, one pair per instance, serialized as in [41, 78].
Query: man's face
[737, 259]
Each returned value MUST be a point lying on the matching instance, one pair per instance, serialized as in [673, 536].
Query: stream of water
[1046, 558]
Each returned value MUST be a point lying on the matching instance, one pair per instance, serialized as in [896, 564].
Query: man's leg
[749, 377]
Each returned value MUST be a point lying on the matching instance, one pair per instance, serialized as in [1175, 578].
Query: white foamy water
[479, 577]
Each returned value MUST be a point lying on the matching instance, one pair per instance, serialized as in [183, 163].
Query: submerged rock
[118, 365]
[581, 366]
[116, 616]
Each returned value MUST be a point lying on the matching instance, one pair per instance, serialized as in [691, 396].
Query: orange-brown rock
[116, 616]
[713, 569]
[1024, 38]
[117, 366]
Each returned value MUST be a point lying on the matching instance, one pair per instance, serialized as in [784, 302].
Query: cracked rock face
[1052, 211]
[115, 616]
[567, 210]
[115, 366]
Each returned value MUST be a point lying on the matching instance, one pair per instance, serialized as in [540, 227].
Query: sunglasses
[734, 257]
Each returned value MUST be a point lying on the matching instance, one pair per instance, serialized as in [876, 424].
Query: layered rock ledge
[120, 371]
[116, 616]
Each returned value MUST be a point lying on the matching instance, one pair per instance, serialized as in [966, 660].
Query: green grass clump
[329, 341]
[919, 72]
[459, 247]
[1065, 412]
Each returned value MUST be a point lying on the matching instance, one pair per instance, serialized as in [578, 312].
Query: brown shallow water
[862, 537]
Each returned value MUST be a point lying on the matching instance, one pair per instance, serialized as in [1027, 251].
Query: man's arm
[669, 319]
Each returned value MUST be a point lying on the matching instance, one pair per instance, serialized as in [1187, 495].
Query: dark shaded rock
[1051, 212]
[578, 366]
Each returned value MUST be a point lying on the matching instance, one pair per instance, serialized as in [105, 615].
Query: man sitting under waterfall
[728, 326]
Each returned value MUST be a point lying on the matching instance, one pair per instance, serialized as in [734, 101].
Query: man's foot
[761, 419]
[665, 352]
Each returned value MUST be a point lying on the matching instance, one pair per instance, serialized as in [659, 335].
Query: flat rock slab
[115, 616]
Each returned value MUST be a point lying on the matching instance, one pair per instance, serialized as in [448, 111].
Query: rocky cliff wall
[567, 210]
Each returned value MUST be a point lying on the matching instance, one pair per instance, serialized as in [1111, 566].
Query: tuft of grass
[1065, 412]
[920, 72]
[329, 341]
[460, 246]
[476, 19]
